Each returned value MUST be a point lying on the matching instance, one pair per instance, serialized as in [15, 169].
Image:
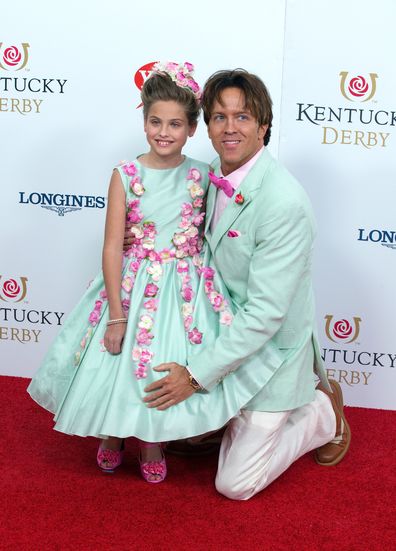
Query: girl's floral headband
[182, 75]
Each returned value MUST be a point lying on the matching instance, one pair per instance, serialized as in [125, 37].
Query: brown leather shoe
[331, 453]
[194, 447]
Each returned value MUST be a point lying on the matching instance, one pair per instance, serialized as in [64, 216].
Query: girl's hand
[114, 337]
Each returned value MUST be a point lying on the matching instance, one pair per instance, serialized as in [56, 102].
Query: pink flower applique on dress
[125, 303]
[94, 316]
[155, 270]
[187, 293]
[195, 336]
[102, 346]
[182, 266]
[146, 322]
[134, 266]
[151, 305]
[129, 169]
[194, 175]
[197, 203]
[137, 186]
[144, 337]
[207, 272]
[141, 371]
[127, 284]
[150, 290]
[84, 341]
[216, 299]
[187, 209]
[187, 322]
[226, 317]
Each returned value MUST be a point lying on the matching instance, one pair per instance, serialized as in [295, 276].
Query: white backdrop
[80, 64]
[348, 169]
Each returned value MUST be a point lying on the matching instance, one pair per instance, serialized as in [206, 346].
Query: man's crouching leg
[246, 453]
[259, 446]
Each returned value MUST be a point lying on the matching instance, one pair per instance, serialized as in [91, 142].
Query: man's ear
[262, 130]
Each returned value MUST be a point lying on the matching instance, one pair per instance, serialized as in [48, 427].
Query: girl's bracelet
[119, 320]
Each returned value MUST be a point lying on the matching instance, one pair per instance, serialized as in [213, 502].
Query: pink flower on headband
[171, 66]
[193, 85]
[182, 75]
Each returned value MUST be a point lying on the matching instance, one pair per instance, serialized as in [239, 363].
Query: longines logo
[383, 237]
[61, 203]
[20, 322]
[342, 330]
[351, 125]
[12, 60]
[13, 290]
[358, 88]
[142, 75]
[353, 361]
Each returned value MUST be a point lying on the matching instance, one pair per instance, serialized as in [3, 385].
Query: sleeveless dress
[175, 304]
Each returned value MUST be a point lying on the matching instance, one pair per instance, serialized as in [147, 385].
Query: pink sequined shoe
[109, 460]
[152, 471]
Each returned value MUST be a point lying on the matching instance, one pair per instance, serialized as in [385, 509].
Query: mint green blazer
[270, 352]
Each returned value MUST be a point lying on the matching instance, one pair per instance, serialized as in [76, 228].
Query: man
[267, 269]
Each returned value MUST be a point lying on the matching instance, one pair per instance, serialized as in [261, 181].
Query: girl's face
[167, 130]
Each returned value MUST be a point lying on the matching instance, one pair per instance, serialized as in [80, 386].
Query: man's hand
[128, 237]
[169, 390]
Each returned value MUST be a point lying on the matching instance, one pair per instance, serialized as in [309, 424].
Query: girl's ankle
[112, 443]
[150, 451]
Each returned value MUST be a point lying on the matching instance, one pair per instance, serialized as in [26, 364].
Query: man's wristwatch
[194, 383]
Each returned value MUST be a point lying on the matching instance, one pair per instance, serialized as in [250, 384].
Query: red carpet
[53, 497]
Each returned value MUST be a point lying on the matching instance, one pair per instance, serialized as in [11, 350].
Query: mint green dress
[175, 303]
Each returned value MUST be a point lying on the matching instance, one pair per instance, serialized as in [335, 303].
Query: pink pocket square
[233, 233]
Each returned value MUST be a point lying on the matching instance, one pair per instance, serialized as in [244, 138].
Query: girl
[155, 303]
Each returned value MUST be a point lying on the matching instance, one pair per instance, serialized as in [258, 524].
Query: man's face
[234, 131]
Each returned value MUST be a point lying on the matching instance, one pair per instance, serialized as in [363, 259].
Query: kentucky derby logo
[358, 88]
[12, 290]
[142, 75]
[342, 330]
[13, 58]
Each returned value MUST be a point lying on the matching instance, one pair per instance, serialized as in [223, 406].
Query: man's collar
[236, 176]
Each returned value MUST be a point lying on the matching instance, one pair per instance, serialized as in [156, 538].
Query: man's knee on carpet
[230, 485]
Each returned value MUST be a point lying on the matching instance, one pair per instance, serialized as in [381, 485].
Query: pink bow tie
[221, 183]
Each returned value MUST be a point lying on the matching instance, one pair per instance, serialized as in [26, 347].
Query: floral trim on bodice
[187, 242]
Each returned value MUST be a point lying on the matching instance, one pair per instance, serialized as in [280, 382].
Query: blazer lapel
[230, 214]
[247, 189]
[210, 206]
